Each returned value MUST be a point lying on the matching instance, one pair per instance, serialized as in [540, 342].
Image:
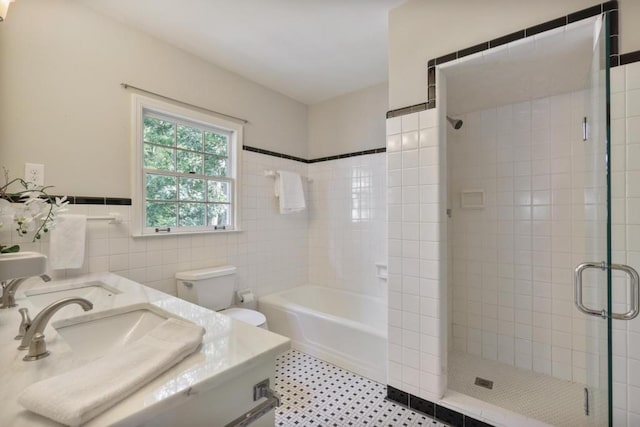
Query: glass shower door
[592, 221]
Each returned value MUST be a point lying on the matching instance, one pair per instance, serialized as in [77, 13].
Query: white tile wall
[512, 261]
[270, 252]
[417, 360]
[626, 224]
[336, 242]
[348, 223]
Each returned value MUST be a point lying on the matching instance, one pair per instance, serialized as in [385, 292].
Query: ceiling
[550, 63]
[309, 50]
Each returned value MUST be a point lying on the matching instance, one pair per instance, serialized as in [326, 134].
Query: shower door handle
[577, 282]
[635, 290]
[634, 309]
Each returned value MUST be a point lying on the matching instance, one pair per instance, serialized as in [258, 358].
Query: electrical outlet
[34, 172]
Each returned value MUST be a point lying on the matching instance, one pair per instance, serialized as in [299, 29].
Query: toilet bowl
[213, 288]
[252, 317]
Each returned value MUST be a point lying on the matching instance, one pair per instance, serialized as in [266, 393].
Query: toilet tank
[211, 288]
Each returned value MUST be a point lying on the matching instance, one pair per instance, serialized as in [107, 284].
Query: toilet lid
[245, 315]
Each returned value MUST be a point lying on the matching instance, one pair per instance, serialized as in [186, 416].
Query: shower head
[456, 123]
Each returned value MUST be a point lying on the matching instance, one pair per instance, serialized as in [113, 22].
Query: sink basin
[97, 292]
[92, 335]
[22, 264]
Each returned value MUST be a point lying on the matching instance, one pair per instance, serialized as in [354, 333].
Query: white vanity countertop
[229, 348]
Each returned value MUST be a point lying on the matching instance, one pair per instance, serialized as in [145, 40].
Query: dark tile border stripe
[433, 410]
[344, 156]
[507, 39]
[536, 29]
[628, 58]
[86, 200]
[545, 26]
[273, 153]
[123, 201]
[319, 159]
[615, 58]
[412, 108]
[584, 13]
[473, 49]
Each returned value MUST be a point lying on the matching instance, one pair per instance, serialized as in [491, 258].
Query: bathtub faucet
[9, 290]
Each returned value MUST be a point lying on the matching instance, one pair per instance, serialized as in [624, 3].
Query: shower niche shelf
[472, 199]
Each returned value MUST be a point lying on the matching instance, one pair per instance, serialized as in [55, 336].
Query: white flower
[36, 212]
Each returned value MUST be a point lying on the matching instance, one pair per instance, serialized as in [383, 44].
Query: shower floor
[542, 397]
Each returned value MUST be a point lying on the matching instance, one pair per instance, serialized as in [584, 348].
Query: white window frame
[142, 104]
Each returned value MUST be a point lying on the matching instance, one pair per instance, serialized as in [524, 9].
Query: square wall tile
[394, 125]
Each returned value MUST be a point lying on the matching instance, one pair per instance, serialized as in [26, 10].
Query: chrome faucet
[33, 338]
[9, 290]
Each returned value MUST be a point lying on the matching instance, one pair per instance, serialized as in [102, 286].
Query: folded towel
[288, 189]
[76, 396]
[66, 248]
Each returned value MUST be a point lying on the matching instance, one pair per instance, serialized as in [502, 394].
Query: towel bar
[113, 218]
[260, 390]
[271, 172]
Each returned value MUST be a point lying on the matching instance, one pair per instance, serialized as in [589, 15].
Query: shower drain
[484, 383]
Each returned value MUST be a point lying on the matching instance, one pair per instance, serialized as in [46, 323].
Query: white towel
[66, 247]
[76, 396]
[288, 189]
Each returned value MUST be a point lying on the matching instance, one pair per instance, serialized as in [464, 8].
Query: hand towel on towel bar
[288, 188]
[66, 248]
[78, 395]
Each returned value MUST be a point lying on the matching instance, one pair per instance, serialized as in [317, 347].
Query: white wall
[420, 30]
[348, 223]
[348, 123]
[61, 65]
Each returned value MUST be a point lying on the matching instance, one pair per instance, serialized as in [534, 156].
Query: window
[186, 178]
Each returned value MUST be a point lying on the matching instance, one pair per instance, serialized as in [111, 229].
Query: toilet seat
[245, 315]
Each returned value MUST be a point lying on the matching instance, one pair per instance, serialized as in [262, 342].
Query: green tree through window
[187, 170]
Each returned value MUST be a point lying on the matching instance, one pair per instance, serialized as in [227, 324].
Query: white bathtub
[343, 328]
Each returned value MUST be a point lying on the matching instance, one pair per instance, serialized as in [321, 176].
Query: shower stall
[528, 244]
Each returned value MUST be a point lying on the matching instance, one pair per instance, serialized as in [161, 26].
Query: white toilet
[212, 288]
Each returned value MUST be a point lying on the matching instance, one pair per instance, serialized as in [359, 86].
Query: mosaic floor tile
[317, 393]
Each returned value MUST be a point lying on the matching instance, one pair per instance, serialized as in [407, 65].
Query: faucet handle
[37, 348]
[8, 298]
[24, 324]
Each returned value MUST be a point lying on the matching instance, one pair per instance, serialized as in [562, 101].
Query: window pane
[218, 191]
[218, 214]
[215, 166]
[189, 138]
[161, 187]
[158, 158]
[161, 214]
[192, 214]
[215, 143]
[189, 162]
[192, 189]
[158, 131]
